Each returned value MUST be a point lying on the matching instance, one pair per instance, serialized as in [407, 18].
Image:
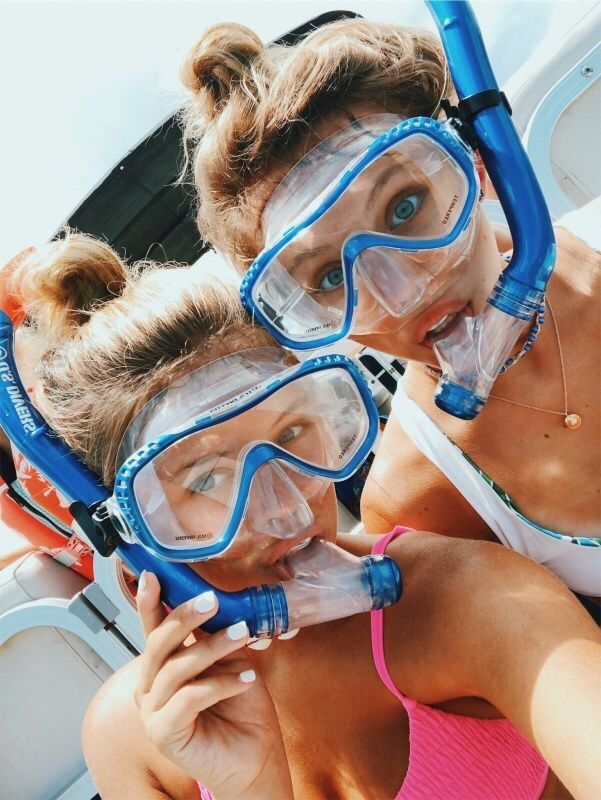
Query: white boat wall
[62, 636]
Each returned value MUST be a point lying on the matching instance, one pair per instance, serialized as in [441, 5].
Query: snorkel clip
[462, 115]
[98, 526]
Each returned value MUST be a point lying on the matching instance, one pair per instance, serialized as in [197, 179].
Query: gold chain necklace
[570, 421]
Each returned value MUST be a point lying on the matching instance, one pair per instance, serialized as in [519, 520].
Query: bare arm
[514, 635]
[544, 674]
[118, 752]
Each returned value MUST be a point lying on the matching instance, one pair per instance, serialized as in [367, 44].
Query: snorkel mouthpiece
[328, 583]
[474, 352]
[472, 355]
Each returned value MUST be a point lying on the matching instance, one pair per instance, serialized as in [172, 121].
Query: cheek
[485, 255]
[326, 514]
[396, 343]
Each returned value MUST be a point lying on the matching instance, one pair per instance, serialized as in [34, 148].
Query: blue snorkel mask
[332, 265]
[203, 474]
[238, 450]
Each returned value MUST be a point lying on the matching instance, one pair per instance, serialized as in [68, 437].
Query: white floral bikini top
[574, 559]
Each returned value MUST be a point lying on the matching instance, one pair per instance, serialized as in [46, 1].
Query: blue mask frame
[259, 454]
[356, 244]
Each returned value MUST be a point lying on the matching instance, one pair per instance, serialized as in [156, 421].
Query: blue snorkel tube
[477, 348]
[267, 610]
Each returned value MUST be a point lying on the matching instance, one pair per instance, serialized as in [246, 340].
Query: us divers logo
[10, 386]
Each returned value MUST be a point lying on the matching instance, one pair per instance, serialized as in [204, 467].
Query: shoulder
[472, 601]
[123, 762]
[577, 261]
[582, 228]
[114, 742]
[463, 603]
[405, 488]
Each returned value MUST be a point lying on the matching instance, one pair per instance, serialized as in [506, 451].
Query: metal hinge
[93, 608]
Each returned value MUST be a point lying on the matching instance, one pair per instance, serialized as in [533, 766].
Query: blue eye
[404, 209]
[289, 434]
[207, 482]
[332, 279]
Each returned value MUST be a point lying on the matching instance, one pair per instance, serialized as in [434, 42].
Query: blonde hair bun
[61, 284]
[217, 63]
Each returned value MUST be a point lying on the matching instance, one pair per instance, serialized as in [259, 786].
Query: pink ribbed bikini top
[452, 757]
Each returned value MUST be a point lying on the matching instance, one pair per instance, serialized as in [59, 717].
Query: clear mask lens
[416, 192]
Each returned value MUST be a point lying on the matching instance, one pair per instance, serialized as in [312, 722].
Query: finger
[184, 707]
[190, 663]
[148, 600]
[260, 644]
[165, 640]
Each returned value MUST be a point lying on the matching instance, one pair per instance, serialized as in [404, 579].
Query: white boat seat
[48, 678]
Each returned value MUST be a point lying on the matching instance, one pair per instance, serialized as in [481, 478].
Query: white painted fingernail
[205, 602]
[142, 581]
[238, 630]
[261, 644]
[289, 634]
[248, 676]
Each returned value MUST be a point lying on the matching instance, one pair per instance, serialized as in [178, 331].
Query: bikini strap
[377, 627]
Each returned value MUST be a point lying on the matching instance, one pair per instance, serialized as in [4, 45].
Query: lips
[431, 323]
[282, 571]
[275, 552]
[274, 555]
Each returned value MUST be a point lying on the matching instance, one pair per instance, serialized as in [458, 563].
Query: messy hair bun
[255, 110]
[105, 337]
[60, 284]
[217, 63]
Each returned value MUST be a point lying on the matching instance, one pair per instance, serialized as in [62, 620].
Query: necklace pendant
[572, 421]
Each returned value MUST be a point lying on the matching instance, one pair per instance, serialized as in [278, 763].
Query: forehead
[314, 176]
[258, 198]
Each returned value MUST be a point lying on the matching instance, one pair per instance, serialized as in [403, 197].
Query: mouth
[281, 570]
[274, 558]
[437, 321]
[442, 327]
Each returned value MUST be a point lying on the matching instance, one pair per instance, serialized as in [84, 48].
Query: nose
[276, 506]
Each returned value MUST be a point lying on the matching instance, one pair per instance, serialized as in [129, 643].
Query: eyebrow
[301, 259]
[187, 461]
[184, 463]
[400, 162]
